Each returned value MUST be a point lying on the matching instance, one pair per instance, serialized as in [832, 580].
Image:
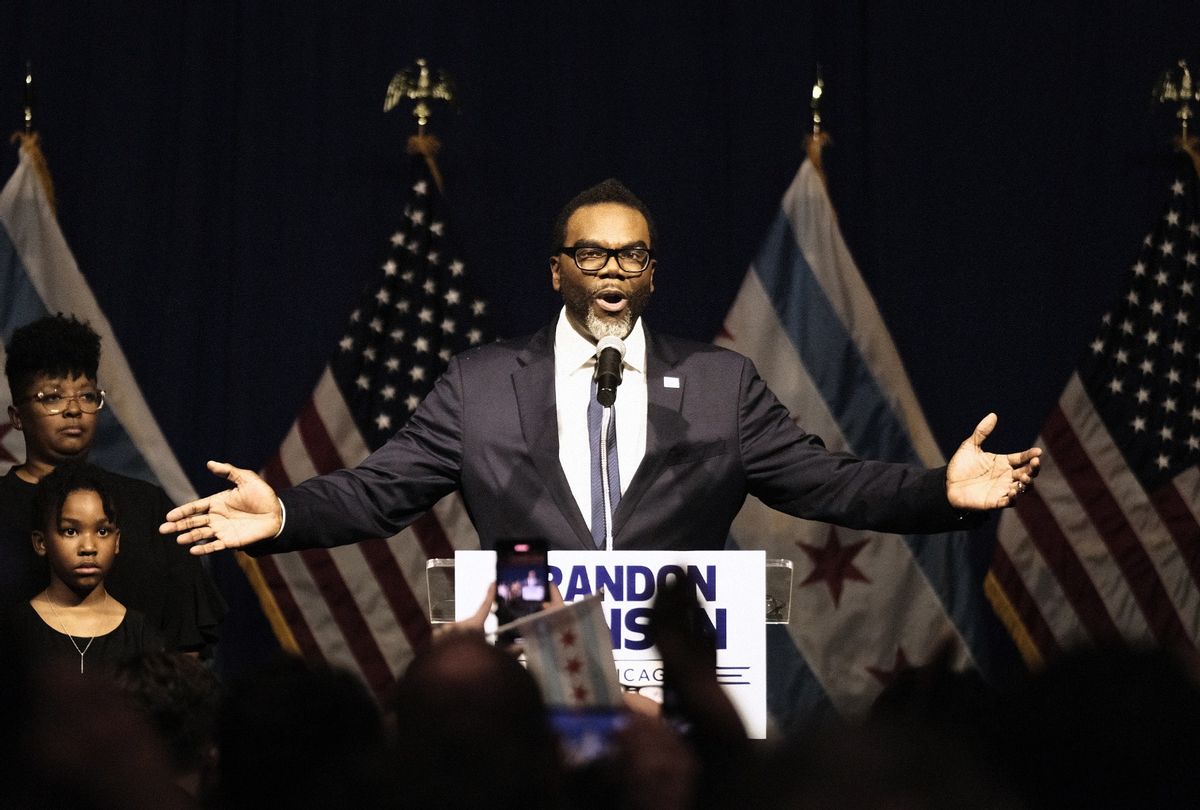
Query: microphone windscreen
[611, 342]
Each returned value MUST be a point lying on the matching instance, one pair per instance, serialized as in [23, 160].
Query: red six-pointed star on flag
[833, 564]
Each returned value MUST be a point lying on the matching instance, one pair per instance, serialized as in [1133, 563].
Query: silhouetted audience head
[1096, 728]
[180, 697]
[473, 732]
[73, 742]
[1110, 727]
[883, 764]
[301, 735]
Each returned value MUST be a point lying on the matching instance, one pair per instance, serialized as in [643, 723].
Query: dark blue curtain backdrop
[227, 179]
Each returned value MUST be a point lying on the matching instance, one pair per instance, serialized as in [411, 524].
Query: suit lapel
[533, 383]
[665, 426]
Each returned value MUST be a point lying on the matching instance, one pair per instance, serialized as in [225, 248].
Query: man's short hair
[606, 191]
[57, 346]
[71, 476]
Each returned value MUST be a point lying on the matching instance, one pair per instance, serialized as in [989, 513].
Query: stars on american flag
[1144, 365]
[414, 316]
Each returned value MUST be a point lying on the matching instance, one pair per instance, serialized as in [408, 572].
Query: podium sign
[730, 585]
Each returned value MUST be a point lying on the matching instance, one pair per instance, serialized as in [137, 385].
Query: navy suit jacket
[715, 432]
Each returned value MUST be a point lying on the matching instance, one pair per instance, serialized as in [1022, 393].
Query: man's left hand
[976, 479]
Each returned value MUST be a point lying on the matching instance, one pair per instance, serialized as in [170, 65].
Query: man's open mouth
[611, 300]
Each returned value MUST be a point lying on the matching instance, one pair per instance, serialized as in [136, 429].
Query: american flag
[1106, 546]
[864, 605]
[364, 607]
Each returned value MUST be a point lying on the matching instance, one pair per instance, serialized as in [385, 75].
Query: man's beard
[618, 327]
[579, 304]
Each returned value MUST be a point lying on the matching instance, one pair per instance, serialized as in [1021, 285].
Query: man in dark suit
[515, 427]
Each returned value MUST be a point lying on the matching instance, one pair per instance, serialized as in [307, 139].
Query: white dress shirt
[574, 365]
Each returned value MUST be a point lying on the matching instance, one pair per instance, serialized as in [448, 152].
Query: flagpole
[363, 607]
[29, 143]
[28, 98]
[816, 140]
[427, 146]
[416, 84]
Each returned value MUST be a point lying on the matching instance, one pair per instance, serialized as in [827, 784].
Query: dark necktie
[600, 482]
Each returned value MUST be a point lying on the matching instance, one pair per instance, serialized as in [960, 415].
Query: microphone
[611, 351]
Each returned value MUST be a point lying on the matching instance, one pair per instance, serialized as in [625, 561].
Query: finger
[556, 599]
[1024, 457]
[197, 507]
[236, 475]
[198, 521]
[984, 429]
[221, 468]
[196, 534]
[200, 549]
[485, 607]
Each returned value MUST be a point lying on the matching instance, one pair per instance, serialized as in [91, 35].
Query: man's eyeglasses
[592, 259]
[55, 402]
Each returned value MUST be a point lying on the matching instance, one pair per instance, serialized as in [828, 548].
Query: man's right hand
[237, 517]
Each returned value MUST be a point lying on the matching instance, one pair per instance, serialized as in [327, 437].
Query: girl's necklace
[63, 625]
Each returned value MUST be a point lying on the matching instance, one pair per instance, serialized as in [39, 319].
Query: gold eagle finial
[417, 84]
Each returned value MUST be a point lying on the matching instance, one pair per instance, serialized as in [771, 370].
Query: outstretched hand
[979, 480]
[237, 517]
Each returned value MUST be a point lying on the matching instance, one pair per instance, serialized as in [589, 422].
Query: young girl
[75, 619]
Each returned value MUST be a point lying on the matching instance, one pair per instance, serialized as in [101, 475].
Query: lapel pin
[670, 382]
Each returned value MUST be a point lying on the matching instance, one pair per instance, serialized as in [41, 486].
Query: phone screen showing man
[522, 579]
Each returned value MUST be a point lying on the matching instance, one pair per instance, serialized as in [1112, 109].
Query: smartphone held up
[522, 581]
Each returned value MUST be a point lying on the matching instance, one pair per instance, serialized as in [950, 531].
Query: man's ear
[653, 267]
[554, 272]
[14, 416]
[39, 542]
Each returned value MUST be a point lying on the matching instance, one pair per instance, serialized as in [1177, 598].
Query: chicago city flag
[569, 651]
[38, 276]
[864, 604]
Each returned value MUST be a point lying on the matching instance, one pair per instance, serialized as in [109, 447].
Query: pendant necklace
[74, 644]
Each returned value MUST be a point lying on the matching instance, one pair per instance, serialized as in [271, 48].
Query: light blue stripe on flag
[846, 384]
[113, 448]
[868, 422]
[38, 276]
[806, 318]
[870, 426]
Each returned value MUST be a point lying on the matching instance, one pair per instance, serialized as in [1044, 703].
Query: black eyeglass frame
[612, 253]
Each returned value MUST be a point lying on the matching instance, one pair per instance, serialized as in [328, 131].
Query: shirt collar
[573, 351]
